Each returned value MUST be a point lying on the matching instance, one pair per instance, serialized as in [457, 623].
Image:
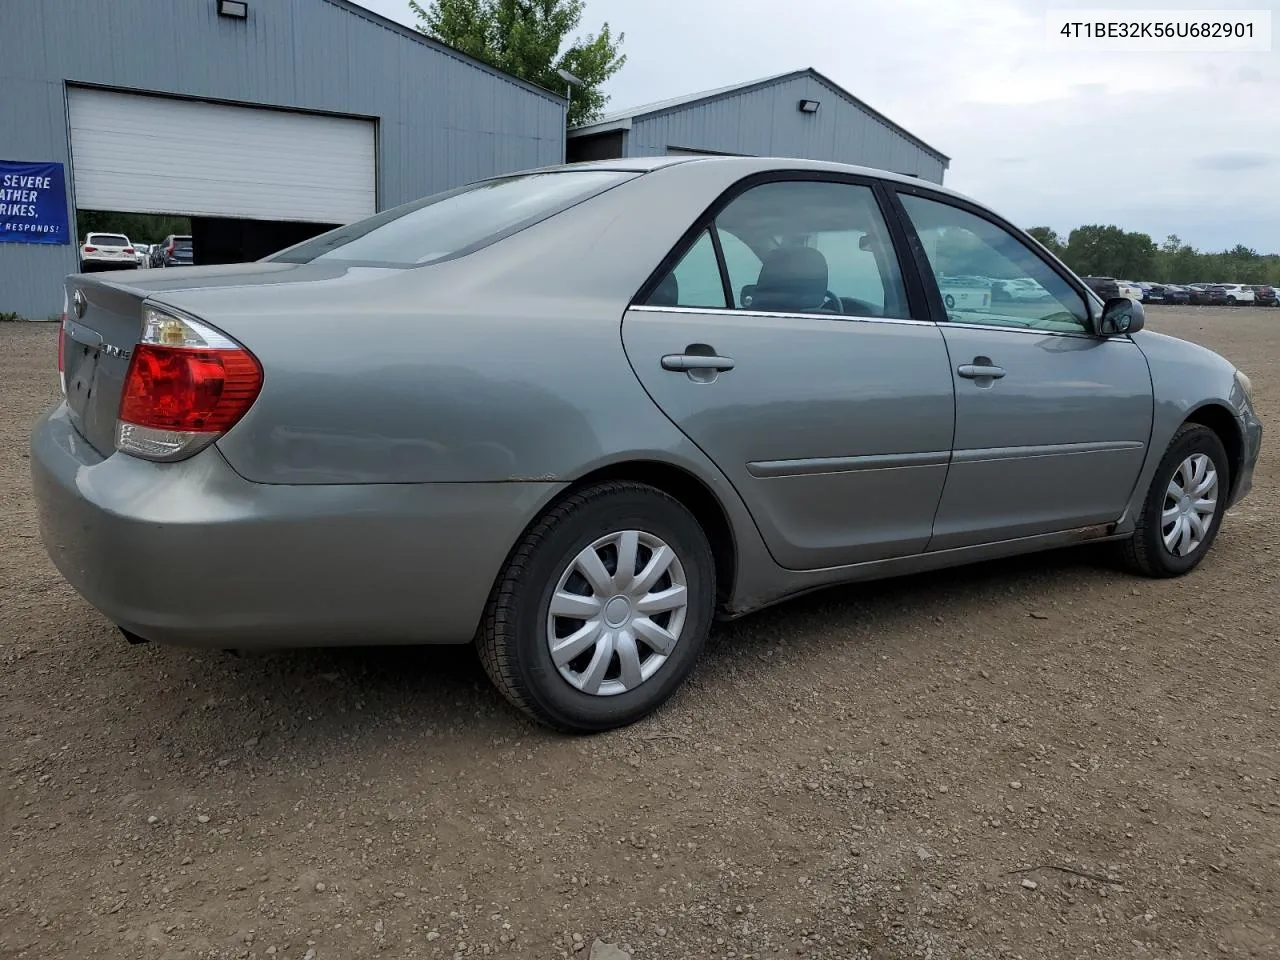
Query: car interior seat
[793, 279]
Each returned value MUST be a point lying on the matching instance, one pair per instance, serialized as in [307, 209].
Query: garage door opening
[99, 232]
[231, 240]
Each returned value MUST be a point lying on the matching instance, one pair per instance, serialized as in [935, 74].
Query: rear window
[455, 222]
[108, 240]
[182, 244]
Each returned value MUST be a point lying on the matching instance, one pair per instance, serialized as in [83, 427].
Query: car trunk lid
[102, 327]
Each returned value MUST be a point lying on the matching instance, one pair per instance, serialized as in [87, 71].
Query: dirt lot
[1038, 758]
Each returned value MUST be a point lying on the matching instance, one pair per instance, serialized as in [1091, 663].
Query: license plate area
[80, 357]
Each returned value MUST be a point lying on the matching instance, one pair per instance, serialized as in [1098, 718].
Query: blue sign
[33, 203]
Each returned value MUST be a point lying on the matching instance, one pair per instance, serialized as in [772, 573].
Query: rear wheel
[602, 610]
[1184, 506]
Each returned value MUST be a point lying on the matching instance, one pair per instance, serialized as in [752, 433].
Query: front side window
[986, 275]
[801, 246]
[456, 221]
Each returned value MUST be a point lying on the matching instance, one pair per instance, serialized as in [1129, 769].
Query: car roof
[750, 165]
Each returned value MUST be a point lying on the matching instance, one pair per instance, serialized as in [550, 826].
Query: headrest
[667, 293]
[792, 279]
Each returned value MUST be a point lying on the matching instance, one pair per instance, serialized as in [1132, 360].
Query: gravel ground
[1035, 758]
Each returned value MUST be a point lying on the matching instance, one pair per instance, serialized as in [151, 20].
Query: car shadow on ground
[318, 699]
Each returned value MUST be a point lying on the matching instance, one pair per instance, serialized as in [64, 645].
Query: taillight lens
[187, 385]
[129, 250]
[90, 249]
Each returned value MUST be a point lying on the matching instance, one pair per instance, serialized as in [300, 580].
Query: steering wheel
[831, 303]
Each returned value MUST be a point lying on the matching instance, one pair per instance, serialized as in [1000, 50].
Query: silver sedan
[575, 414]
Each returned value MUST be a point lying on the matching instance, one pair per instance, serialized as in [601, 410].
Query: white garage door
[141, 154]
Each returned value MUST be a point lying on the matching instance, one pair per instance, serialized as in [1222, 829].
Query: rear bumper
[191, 553]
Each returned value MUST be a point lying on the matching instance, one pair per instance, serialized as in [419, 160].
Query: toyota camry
[574, 415]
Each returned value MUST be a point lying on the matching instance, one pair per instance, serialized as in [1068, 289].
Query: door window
[986, 275]
[803, 246]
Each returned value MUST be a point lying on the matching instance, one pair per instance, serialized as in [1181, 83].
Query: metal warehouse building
[797, 114]
[257, 114]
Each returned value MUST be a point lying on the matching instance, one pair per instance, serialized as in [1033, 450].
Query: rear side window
[455, 222]
[794, 246]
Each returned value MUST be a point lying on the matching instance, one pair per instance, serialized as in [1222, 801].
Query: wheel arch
[684, 486]
[1223, 422]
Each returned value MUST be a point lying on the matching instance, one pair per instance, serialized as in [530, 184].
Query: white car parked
[1238, 293]
[1130, 289]
[107, 251]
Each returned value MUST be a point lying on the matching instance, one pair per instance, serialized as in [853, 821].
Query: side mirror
[1121, 315]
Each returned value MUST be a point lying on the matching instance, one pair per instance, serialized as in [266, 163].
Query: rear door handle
[694, 361]
[980, 371]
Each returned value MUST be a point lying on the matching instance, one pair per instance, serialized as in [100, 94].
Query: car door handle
[684, 362]
[980, 371]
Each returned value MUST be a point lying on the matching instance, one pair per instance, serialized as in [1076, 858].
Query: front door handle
[980, 371]
[684, 362]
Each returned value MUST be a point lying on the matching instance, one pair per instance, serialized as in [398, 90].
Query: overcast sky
[1164, 143]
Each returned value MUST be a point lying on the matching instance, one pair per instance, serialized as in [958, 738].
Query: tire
[1146, 552]
[514, 643]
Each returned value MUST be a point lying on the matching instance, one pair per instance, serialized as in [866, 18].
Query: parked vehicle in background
[1151, 292]
[1105, 287]
[142, 254]
[107, 251]
[965, 293]
[1130, 289]
[1265, 296]
[1238, 294]
[1176, 294]
[176, 251]
[1201, 296]
[393, 432]
[1022, 289]
[1217, 294]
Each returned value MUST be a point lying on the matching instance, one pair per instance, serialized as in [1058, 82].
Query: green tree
[1109, 251]
[1049, 239]
[530, 39]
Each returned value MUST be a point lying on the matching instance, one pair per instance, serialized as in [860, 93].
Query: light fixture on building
[809, 106]
[233, 8]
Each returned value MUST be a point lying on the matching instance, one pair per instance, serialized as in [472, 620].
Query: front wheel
[1184, 506]
[602, 609]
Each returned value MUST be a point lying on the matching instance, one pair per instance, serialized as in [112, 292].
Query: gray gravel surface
[1035, 758]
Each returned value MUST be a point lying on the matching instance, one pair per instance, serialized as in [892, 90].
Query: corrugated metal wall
[442, 120]
[766, 121]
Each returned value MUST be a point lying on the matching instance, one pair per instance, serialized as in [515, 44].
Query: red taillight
[189, 390]
[89, 249]
[129, 250]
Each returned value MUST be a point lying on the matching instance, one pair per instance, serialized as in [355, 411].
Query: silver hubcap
[1190, 502]
[617, 613]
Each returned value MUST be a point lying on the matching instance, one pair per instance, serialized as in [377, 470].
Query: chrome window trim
[768, 315]
[1081, 334]
[902, 321]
